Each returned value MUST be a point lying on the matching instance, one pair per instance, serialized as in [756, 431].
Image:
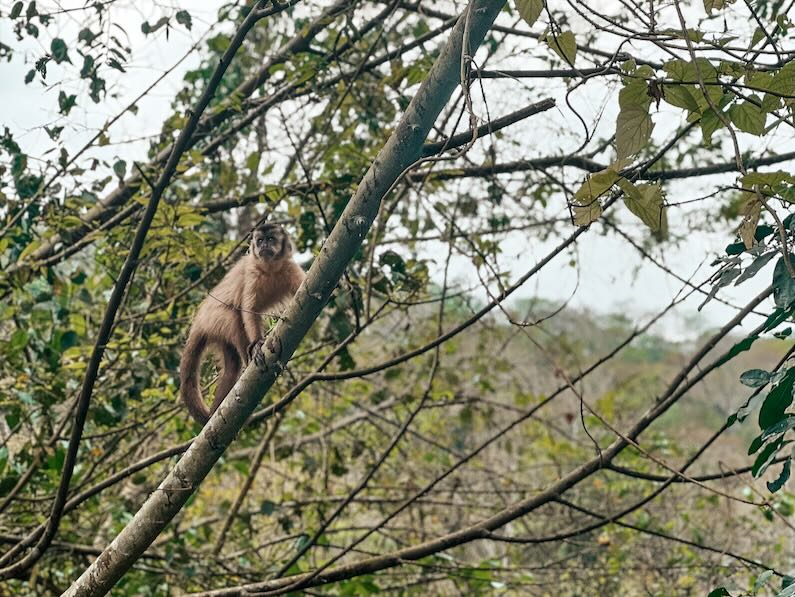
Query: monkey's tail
[189, 389]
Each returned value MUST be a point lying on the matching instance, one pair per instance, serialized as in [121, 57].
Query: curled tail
[189, 389]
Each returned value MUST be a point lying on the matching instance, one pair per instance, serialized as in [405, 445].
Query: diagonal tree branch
[401, 151]
[483, 529]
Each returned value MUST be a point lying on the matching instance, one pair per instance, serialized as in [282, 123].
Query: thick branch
[495, 125]
[590, 165]
[401, 151]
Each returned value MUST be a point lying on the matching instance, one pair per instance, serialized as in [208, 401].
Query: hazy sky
[609, 275]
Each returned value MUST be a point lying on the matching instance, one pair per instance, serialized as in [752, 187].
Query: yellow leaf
[585, 214]
[748, 225]
[596, 185]
[530, 10]
[564, 45]
[646, 202]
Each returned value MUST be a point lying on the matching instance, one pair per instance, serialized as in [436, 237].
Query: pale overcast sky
[609, 275]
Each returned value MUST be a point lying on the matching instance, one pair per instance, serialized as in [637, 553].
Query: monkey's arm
[295, 279]
[252, 320]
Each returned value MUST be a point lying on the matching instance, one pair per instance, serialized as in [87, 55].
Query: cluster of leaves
[774, 419]
[713, 94]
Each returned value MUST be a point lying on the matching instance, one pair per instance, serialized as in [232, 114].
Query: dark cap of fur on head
[269, 227]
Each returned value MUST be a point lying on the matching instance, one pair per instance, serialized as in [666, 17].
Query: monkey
[229, 319]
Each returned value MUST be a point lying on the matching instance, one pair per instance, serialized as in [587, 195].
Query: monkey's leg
[229, 375]
[240, 340]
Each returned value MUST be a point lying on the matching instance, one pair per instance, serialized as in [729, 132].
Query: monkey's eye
[271, 239]
[258, 241]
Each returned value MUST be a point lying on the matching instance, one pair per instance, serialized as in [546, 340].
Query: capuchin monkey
[229, 320]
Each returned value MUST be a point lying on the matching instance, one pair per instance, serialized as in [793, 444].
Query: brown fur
[229, 320]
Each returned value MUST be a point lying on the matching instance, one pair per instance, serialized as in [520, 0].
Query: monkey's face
[270, 242]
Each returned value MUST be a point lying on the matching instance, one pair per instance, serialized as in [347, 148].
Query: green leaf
[762, 579]
[66, 103]
[777, 401]
[756, 265]
[779, 428]
[529, 10]
[759, 81]
[87, 36]
[346, 362]
[41, 65]
[741, 346]
[692, 34]
[756, 443]
[585, 214]
[646, 202]
[766, 457]
[755, 378]
[586, 207]
[564, 45]
[59, 51]
[748, 118]
[788, 587]
[735, 249]
[394, 261]
[67, 340]
[113, 63]
[784, 80]
[633, 128]
[19, 339]
[710, 122]
[596, 185]
[759, 35]
[709, 6]
[770, 102]
[252, 161]
[88, 66]
[773, 487]
[56, 459]
[219, 43]
[719, 592]
[146, 28]
[777, 317]
[682, 96]
[120, 168]
[633, 125]
[746, 409]
[31, 74]
[770, 179]
[783, 284]
[97, 85]
[184, 18]
[16, 10]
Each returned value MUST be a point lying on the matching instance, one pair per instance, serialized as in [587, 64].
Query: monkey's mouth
[267, 253]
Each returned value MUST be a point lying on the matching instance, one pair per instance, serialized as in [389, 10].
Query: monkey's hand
[255, 351]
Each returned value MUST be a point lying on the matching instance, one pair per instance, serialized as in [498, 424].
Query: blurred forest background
[555, 359]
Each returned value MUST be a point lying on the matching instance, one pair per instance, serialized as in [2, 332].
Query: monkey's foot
[255, 353]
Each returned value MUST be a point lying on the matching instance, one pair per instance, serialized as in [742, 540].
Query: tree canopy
[450, 403]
